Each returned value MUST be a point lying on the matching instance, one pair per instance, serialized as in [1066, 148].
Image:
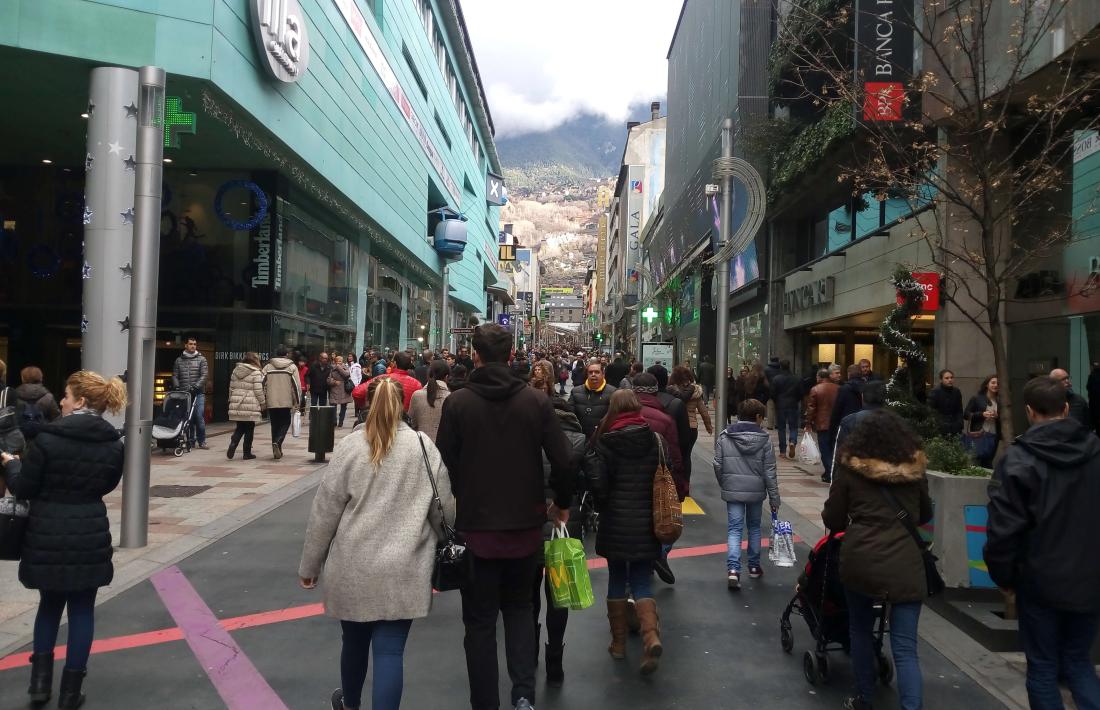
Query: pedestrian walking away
[283, 392]
[787, 391]
[620, 471]
[247, 401]
[75, 461]
[340, 387]
[426, 406]
[745, 466]
[880, 471]
[706, 377]
[189, 374]
[681, 384]
[35, 405]
[1043, 499]
[371, 542]
[819, 412]
[497, 418]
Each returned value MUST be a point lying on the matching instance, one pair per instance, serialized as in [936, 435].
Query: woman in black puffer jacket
[74, 462]
[620, 472]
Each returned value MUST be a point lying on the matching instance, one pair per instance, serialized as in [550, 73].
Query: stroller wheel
[809, 668]
[823, 667]
[178, 452]
[786, 637]
[885, 670]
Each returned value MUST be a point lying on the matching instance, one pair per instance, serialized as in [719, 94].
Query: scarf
[598, 389]
[627, 419]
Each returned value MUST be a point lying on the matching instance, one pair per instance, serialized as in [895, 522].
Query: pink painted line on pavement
[237, 681]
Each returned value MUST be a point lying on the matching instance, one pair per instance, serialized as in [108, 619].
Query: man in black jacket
[617, 370]
[674, 406]
[1043, 500]
[492, 435]
[787, 393]
[946, 400]
[1078, 406]
[590, 400]
[317, 381]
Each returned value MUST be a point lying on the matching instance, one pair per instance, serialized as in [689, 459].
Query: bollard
[322, 431]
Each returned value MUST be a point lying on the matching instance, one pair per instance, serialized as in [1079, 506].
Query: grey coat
[373, 529]
[744, 463]
[190, 371]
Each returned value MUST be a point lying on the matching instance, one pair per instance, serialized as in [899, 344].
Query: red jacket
[660, 422]
[408, 385]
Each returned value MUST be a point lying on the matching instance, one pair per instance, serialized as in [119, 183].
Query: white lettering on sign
[1087, 143]
[280, 33]
[262, 260]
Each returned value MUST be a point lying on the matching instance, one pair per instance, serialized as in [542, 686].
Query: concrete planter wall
[958, 528]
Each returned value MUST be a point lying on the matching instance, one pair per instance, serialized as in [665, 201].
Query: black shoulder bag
[932, 576]
[453, 565]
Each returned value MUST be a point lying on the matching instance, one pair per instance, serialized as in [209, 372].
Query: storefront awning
[500, 293]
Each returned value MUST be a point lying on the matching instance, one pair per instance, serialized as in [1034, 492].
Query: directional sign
[504, 320]
[461, 331]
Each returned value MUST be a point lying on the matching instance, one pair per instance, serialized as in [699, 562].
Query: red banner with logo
[930, 284]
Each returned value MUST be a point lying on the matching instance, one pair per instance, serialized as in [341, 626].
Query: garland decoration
[254, 220]
[913, 362]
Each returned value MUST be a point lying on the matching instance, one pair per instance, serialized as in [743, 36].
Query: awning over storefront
[500, 292]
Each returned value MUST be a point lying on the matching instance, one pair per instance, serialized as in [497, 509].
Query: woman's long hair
[99, 393]
[439, 370]
[542, 377]
[622, 402]
[252, 359]
[383, 418]
[984, 388]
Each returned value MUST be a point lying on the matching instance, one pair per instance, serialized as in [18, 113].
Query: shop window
[826, 352]
[865, 351]
[411, 64]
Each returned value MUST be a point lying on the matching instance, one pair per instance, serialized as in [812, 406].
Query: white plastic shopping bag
[807, 449]
[296, 424]
[781, 551]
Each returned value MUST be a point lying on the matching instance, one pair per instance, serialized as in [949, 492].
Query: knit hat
[645, 383]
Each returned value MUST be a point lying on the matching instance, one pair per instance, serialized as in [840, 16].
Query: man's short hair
[874, 392]
[1046, 396]
[945, 371]
[660, 374]
[785, 364]
[750, 410]
[854, 372]
[190, 338]
[822, 374]
[281, 351]
[835, 368]
[592, 362]
[492, 343]
[402, 360]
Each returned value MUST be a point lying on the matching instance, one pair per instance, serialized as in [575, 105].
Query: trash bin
[322, 431]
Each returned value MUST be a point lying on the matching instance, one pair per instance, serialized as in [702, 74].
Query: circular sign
[251, 222]
[279, 28]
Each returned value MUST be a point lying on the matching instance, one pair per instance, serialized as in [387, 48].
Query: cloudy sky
[543, 63]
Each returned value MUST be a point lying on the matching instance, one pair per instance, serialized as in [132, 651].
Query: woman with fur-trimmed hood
[879, 560]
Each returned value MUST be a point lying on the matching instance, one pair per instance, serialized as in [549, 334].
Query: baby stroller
[172, 428]
[819, 599]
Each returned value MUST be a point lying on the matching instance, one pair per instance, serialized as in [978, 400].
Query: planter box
[958, 528]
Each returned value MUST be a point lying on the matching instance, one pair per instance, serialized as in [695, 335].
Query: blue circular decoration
[261, 201]
[43, 262]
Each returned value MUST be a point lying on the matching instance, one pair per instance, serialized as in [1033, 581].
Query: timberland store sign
[884, 50]
[279, 29]
[815, 293]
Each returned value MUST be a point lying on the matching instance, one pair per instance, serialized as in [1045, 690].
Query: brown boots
[617, 618]
[651, 634]
[619, 615]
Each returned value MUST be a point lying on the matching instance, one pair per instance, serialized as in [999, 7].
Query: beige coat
[373, 529]
[282, 384]
[246, 393]
[696, 408]
[423, 417]
[336, 393]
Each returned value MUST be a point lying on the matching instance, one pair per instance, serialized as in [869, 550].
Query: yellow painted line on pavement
[690, 507]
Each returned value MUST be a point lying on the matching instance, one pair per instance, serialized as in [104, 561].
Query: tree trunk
[999, 336]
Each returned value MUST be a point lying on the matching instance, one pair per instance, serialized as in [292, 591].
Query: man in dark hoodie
[37, 405]
[492, 434]
[617, 370]
[1043, 499]
[787, 393]
[874, 397]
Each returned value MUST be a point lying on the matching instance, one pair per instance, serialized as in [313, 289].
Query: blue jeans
[787, 421]
[81, 625]
[199, 421]
[1057, 643]
[638, 574]
[388, 639]
[737, 515]
[903, 645]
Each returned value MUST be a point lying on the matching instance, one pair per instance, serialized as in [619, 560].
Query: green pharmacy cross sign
[649, 314]
[176, 121]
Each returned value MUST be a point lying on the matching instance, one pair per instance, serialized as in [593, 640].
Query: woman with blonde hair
[371, 539]
[75, 461]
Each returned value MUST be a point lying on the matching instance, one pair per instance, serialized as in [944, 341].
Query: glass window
[318, 264]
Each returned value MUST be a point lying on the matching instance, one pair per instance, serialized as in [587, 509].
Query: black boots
[555, 674]
[70, 697]
[41, 677]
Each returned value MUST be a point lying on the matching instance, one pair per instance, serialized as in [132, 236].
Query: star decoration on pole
[127, 271]
[124, 324]
[131, 110]
[128, 216]
[83, 324]
[88, 162]
[88, 215]
[86, 272]
[115, 148]
[91, 108]
[131, 164]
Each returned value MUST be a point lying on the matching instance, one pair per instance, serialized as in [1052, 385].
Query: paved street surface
[160, 643]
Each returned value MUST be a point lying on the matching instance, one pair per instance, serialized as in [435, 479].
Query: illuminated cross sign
[176, 121]
[649, 314]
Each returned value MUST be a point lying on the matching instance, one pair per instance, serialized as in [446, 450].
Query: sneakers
[524, 704]
[856, 703]
[664, 572]
[276, 451]
[203, 446]
[733, 580]
[337, 699]
[756, 572]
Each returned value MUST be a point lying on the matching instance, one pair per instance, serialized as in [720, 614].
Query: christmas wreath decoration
[252, 222]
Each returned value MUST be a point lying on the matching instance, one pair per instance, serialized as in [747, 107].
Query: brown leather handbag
[668, 515]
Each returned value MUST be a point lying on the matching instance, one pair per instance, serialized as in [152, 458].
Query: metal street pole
[725, 212]
[445, 329]
[143, 306]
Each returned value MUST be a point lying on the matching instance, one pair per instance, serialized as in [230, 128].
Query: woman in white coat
[371, 540]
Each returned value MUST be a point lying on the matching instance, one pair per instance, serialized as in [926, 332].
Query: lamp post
[725, 210]
[143, 306]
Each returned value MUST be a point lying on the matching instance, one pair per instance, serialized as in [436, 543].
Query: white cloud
[543, 63]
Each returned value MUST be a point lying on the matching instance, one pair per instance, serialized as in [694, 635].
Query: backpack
[12, 440]
[30, 417]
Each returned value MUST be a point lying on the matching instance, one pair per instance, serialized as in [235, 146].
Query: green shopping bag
[567, 570]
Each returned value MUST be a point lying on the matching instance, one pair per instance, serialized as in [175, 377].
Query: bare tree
[980, 144]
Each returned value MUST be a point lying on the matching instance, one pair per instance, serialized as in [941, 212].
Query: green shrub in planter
[948, 456]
